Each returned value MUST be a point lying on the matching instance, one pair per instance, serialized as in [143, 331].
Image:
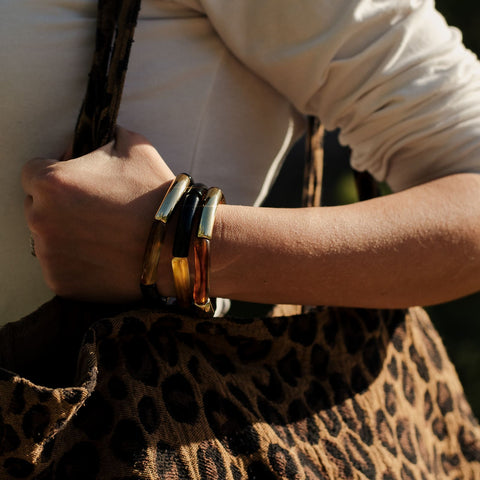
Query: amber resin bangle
[181, 244]
[201, 299]
[151, 259]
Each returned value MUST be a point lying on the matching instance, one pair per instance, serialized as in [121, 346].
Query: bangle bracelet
[181, 244]
[201, 299]
[156, 237]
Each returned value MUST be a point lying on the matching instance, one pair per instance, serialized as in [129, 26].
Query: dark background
[458, 322]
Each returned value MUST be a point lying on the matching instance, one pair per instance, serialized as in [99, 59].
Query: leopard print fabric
[335, 394]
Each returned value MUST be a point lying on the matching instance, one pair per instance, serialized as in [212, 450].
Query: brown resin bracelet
[202, 303]
[156, 237]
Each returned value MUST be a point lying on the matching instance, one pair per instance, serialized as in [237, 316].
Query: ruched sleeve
[392, 75]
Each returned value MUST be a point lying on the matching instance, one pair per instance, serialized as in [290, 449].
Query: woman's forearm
[90, 219]
[419, 246]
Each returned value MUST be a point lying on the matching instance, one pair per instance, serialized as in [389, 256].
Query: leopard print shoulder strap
[116, 21]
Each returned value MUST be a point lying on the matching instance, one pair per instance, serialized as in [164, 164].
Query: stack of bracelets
[197, 205]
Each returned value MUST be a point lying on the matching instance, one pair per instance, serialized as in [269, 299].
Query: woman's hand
[90, 217]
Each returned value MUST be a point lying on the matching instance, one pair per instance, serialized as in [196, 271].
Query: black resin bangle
[181, 245]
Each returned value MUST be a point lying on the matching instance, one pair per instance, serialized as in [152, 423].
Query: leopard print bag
[88, 393]
[333, 394]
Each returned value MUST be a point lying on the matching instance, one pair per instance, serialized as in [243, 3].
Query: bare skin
[90, 219]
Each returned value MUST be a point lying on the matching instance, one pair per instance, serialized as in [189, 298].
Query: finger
[135, 146]
[32, 214]
[126, 140]
[33, 171]
[28, 206]
[68, 153]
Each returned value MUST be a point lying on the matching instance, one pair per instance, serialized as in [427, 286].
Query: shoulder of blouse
[392, 75]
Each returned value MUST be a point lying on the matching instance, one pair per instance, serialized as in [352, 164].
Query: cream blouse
[221, 89]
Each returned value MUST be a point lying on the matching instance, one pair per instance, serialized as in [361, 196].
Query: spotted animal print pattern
[335, 394]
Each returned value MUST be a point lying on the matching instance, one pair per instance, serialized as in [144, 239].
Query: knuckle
[50, 187]
[129, 141]
[54, 285]
[35, 169]
[50, 178]
[41, 220]
[53, 274]
[59, 289]
[35, 221]
[142, 151]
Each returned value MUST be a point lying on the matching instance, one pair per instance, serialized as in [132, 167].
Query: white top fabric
[221, 87]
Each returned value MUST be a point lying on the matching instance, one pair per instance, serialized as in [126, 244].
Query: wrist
[183, 222]
[223, 253]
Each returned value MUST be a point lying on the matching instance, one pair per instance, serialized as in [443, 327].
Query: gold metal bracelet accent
[158, 230]
[201, 298]
[173, 196]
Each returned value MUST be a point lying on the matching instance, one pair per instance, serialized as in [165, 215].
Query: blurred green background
[458, 322]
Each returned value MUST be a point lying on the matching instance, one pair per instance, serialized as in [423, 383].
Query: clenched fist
[90, 217]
